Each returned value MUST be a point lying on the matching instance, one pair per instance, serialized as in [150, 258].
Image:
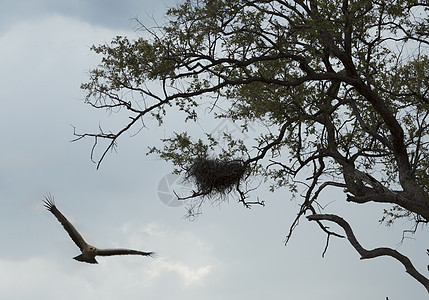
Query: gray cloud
[110, 14]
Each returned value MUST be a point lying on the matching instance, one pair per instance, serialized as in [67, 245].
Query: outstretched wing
[109, 252]
[73, 233]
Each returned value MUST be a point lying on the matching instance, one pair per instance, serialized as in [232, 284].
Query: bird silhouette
[89, 252]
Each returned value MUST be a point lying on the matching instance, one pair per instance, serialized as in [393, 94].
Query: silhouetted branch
[366, 254]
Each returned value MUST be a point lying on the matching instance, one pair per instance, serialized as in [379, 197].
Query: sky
[228, 252]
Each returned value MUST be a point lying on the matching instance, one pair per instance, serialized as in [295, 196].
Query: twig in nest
[215, 176]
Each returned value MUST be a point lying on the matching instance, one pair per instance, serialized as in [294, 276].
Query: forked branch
[366, 254]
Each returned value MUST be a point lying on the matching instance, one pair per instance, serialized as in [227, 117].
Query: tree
[341, 86]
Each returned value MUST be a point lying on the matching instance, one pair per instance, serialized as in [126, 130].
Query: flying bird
[89, 252]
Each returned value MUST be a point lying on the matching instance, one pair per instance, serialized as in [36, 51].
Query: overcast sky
[229, 252]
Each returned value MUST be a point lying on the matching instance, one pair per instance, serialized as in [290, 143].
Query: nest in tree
[215, 176]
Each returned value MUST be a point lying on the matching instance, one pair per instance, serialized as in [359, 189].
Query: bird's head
[91, 248]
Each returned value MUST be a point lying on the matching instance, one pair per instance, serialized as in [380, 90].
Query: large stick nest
[215, 176]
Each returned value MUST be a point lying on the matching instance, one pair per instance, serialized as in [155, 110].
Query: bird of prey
[89, 252]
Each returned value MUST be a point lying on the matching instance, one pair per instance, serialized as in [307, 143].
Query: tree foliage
[342, 86]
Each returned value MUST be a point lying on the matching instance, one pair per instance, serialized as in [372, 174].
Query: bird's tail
[90, 260]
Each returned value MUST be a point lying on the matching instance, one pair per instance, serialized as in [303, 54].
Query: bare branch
[367, 254]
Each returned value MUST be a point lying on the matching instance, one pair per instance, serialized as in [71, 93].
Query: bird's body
[88, 255]
[89, 252]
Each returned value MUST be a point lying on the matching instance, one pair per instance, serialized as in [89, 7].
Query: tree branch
[366, 254]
